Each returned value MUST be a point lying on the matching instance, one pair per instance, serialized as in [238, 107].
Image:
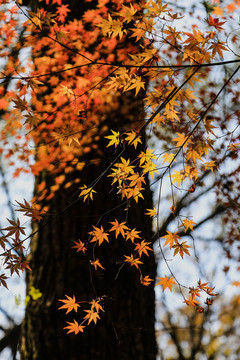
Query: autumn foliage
[60, 102]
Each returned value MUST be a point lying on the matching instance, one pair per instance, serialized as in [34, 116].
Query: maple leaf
[218, 11]
[20, 104]
[181, 248]
[193, 155]
[14, 229]
[112, 27]
[215, 22]
[143, 248]
[233, 147]
[80, 246]
[69, 304]
[188, 224]
[146, 156]
[210, 165]
[91, 316]
[138, 31]
[87, 192]
[130, 138]
[25, 265]
[150, 168]
[127, 13]
[30, 211]
[96, 264]
[231, 7]
[203, 286]
[132, 235]
[119, 228]
[136, 84]
[146, 280]
[151, 212]
[182, 139]
[133, 260]
[166, 282]
[178, 177]
[218, 48]
[62, 12]
[3, 280]
[95, 304]
[74, 327]
[115, 138]
[192, 301]
[169, 158]
[171, 238]
[99, 235]
[194, 291]
[137, 180]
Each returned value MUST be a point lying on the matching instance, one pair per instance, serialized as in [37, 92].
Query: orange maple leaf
[181, 248]
[132, 235]
[133, 261]
[99, 235]
[145, 281]
[91, 316]
[215, 22]
[171, 238]
[79, 246]
[192, 301]
[182, 140]
[119, 228]
[74, 327]
[166, 282]
[143, 248]
[96, 264]
[69, 304]
[188, 224]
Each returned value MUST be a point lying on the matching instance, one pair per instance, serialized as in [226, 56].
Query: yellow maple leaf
[87, 192]
[182, 140]
[178, 177]
[132, 139]
[127, 12]
[136, 83]
[168, 157]
[112, 27]
[115, 138]
[151, 212]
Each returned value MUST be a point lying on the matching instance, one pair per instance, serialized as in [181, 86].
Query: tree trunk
[126, 327]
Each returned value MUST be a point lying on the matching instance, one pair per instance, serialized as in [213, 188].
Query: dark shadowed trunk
[126, 328]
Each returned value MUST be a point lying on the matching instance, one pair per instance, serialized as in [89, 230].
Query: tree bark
[126, 328]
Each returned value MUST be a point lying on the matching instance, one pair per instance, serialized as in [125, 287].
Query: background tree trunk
[126, 329]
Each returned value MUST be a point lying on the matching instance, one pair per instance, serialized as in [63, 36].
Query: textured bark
[126, 329]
